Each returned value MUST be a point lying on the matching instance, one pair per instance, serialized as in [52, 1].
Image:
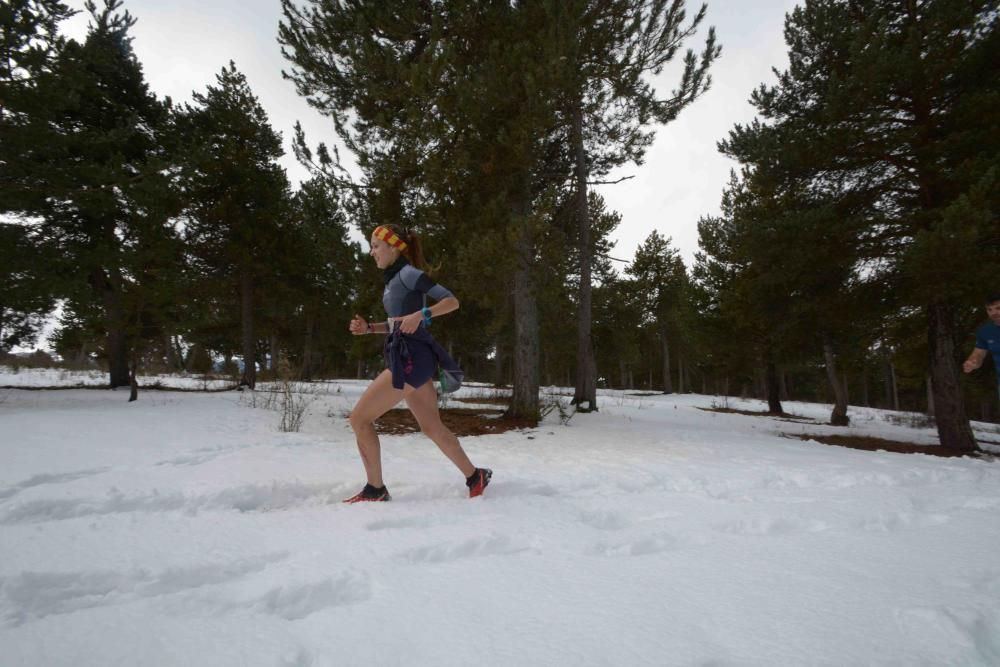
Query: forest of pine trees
[857, 239]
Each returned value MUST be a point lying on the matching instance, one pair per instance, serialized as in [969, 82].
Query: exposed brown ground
[862, 442]
[461, 421]
[784, 416]
[878, 444]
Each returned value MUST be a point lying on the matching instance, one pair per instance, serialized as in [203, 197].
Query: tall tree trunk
[273, 349]
[895, 387]
[133, 382]
[134, 360]
[949, 409]
[307, 345]
[108, 286]
[117, 343]
[585, 396]
[173, 361]
[771, 385]
[81, 357]
[668, 384]
[524, 400]
[498, 375]
[888, 378]
[249, 339]
[838, 417]
[181, 358]
[929, 386]
[891, 388]
[680, 374]
[760, 382]
[865, 398]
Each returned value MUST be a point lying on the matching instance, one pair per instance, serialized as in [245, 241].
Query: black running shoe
[370, 494]
[478, 481]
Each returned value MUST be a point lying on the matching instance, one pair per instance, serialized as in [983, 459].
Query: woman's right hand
[359, 327]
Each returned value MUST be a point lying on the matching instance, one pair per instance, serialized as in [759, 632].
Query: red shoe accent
[362, 497]
[480, 482]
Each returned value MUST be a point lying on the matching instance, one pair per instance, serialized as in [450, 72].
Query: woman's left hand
[411, 322]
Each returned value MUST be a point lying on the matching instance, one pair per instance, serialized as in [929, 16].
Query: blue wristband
[427, 316]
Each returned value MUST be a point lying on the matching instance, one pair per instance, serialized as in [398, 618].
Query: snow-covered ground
[185, 529]
[36, 378]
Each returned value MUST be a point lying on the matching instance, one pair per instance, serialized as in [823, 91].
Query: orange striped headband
[390, 237]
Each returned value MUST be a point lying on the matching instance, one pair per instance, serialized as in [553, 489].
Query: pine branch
[623, 178]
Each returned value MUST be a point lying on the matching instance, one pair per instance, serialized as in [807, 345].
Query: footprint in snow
[895, 521]
[61, 509]
[402, 522]
[769, 525]
[518, 488]
[299, 657]
[652, 544]
[247, 498]
[296, 601]
[58, 478]
[612, 520]
[606, 520]
[967, 628]
[33, 595]
[982, 503]
[193, 459]
[472, 548]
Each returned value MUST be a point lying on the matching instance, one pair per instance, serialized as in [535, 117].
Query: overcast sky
[183, 44]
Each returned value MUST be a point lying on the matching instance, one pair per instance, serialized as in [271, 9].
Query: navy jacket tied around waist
[397, 355]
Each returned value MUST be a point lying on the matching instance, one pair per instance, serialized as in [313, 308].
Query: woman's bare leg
[423, 404]
[379, 398]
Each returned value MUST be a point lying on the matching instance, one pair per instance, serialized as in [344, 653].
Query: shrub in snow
[293, 401]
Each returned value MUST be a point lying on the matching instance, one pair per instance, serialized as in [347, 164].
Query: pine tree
[97, 178]
[895, 105]
[610, 106]
[618, 319]
[450, 112]
[324, 272]
[659, 273]
[742, 294]
[804, 246]
[29, 45]
[238, 198]
[27, 293]
[564, 259]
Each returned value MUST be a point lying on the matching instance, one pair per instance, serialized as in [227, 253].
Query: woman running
[412, 357]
